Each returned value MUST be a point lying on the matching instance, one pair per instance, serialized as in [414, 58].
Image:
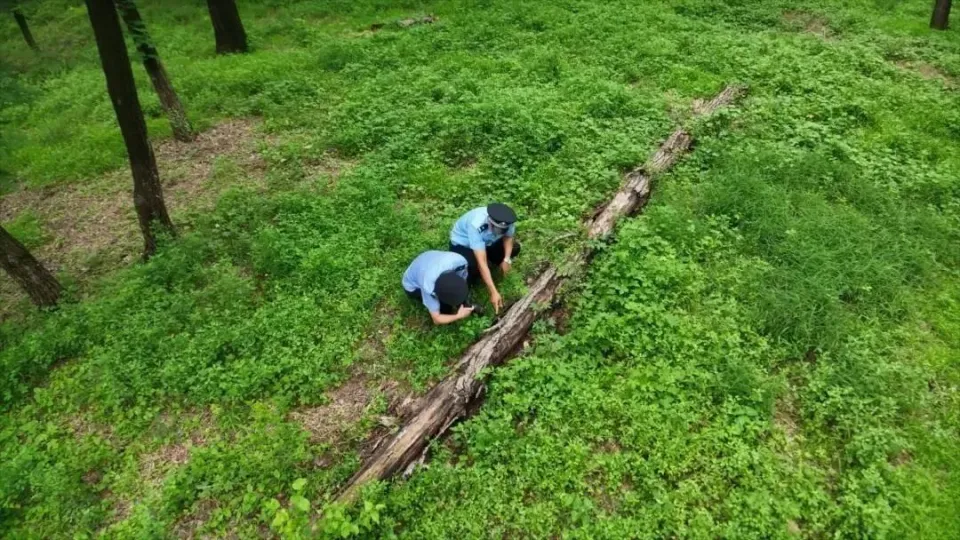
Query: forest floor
[770, 350]
[89, 229]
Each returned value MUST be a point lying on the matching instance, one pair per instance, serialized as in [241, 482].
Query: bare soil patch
[329, 169]
[407, 23]
[93, 225]
[121, 510]
[903, 457]
[92, 477]
[337, 423]
[155, 465]
[928, 71]
[327, 423]
[561, 318]
[785, 417]
[809, 22]
[195, 173]
[83, 426]
[609, 447]
[404, 23]
[189, 525]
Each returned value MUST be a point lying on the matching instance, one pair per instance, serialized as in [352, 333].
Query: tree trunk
[35, 280]
[941, 15]
[24, 29]
[147, 194]
[227, 26]
[158, 75]
[452, 399]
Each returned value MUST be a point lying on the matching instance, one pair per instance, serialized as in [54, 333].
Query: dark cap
[501, 214]
[451, 289]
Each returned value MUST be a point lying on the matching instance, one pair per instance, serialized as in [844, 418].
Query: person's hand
[497, 301]
[464, 312]
[505, 267]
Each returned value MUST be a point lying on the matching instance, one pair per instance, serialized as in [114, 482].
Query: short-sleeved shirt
[473, 230]
[423, 272]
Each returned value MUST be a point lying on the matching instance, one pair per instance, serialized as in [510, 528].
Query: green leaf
[300, 503]
[279, 519]
[299, 484]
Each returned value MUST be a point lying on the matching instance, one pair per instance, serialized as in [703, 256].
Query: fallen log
[450, 400]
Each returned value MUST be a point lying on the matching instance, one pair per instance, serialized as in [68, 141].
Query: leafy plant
[769, 350]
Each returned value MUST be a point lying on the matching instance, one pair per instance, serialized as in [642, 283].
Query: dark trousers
[495, 256]
[445, 309]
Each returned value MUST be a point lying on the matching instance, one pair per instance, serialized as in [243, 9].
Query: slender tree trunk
[941, 15]
[158, 75]
[22, 23]
[147, 194]
[36, 280]
[227, 26]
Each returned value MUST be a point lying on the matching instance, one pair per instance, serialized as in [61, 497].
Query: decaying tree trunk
[227, 26]
[24, 28]
[147, 193]
[451, 399]
[26, 270]
[941, 15]
[158, 74]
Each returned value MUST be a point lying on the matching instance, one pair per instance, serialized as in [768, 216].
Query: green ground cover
[771, 350]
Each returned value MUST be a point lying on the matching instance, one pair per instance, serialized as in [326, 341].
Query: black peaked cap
[501, 213]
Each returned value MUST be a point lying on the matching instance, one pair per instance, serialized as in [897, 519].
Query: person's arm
[507, 250]
[440, 318]
[479, 248]
[495, 298]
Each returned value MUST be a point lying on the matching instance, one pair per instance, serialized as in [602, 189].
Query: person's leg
[495, 253]
[473, 274]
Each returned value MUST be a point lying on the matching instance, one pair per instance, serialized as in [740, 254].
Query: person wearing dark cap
[439, 280]
[485, 238]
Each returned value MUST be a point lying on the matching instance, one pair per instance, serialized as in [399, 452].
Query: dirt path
[92, 225]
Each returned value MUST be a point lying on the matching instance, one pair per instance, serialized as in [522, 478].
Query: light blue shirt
[473, 230]
[426, 268]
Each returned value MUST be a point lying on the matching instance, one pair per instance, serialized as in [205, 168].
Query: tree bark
[941, 15]
[147, 193]
[452, 398]
[24, 28]
[169, 100]
[227, 26]
[26, 270]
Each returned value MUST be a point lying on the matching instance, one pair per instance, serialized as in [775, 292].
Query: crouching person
[439, 280]
[485, 238]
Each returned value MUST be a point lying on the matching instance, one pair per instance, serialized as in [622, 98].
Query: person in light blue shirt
[439, 280]
[485, 238]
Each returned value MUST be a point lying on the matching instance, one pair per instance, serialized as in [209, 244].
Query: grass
[27, 229]
[770, 350]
